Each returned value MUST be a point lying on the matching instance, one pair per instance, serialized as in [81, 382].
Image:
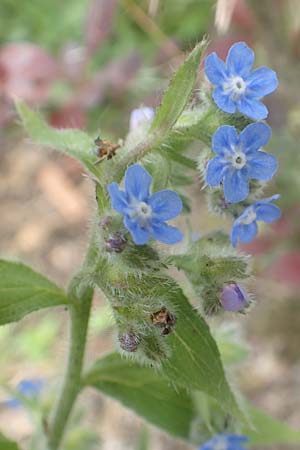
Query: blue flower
[239, 158]
[28, 388]
[225, 442]
[236, 87]
[245, 227]
[145, 214]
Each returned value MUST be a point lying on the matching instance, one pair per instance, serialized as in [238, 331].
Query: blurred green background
[87, 64]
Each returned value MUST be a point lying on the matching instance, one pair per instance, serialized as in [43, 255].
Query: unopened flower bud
[115, 243]
[234, 298]
[140, 116]
[129, 341]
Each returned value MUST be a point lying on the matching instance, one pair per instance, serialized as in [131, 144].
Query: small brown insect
[105, 149]
[164, 320]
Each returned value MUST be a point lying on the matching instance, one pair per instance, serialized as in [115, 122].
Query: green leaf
[188, 356]
[268, 431]
[195, 359]
[6, 444]
[23, 291]
[145, 391]
[179, 91]
[74, 142]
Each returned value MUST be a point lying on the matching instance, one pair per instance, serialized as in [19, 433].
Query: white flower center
[250, 217]
[142, 212]
[238, 160]
[236, 87]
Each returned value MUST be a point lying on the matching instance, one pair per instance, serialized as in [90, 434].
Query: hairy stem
[79, 317]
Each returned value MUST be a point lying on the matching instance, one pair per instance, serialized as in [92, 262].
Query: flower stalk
[79, 317]
[79, 313]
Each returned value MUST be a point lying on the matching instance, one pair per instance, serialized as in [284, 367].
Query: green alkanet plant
[167, 366]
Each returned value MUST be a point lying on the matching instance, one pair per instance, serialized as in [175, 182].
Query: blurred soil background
[88, 63]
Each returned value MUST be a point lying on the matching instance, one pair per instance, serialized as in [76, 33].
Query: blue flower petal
[240, 59]
[255, 136]
[262, 82]
[223, 101]
[118, 198]
[140, 235]
[247, 232]
[137, 182]
[165, 233]
[262, 166]
[238, 439]
[215, 69]
[252, 108]
[216, 169]
[267, 212]
[165, 204]
[226, 441]
[224, 140]
[236, 186]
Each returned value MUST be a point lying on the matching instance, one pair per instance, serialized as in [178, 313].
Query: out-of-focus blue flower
[145, 214]
[239, 158]
[225, 442]
[140, 116]
[245, 227]
[27, 388]
[233, 297]
[237, 88]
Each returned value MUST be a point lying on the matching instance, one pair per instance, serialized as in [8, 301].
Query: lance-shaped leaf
[74, 142]
[195, 359]
[179, 91]
[266, 430]
[145, 391]
[23, 291]
[7, 444]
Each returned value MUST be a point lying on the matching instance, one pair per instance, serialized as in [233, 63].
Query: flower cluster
[240, 157]
[145, 215]
[225, 442]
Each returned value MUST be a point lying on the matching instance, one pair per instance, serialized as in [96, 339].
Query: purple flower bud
[129, 341]
[234, 298]
[115, 243]
[140, 116]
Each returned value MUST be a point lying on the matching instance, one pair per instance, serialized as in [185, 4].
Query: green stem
[79, 317]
